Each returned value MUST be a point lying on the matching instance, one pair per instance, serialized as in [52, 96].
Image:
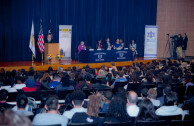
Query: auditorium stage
[38, 66]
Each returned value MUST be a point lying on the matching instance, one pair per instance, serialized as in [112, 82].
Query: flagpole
[32, 59]
[42, 59]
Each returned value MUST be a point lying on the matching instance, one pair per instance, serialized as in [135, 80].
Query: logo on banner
[121, 54]
[151, 34]
[99, 56]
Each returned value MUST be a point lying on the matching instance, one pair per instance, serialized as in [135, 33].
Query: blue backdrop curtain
[91, 20]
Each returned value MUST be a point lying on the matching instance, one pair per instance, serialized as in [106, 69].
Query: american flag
[41, 39]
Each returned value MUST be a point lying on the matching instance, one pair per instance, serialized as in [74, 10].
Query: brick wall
[175, 17]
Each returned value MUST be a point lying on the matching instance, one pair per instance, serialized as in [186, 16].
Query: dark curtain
[91, 20]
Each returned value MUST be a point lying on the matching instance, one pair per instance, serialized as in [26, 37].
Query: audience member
[117, 111]
[166, 90]
[146, 111]
[55, 82]
[188, 80]
[119, 79]
[144, 93]
[51, 117]
[101, 74]
[20, 83]
[3, 98]
[77, 101]
[85, 84]
[66, 85]
[113, 66]
[107, 99]
[132, 108]
[170, 107]
[30, 85]
[10, 118]
[91, 116]
[152, 94]
[21, 104]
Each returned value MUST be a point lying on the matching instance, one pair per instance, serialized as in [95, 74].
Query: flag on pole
[50, 35]
[32, 41]
[41, 39]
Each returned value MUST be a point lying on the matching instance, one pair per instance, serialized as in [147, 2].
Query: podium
[51, 49]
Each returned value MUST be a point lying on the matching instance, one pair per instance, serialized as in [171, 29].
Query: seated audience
[77, 101]
[20, 83]
[117, 111]
[91, 116]
[41, 108]
[101, 74]
[66, 85]
[113, 66]
[132, 108]
[144, 93]
[51, 117]
[21, 104]
[3, 98]
[30, 85]
[152, 94]
[107, 99]
[10, 118]
[37, 81]
[170, 108]
[44, 85]
[188, 80]
[148, 78]
[146, 111]
[166, 90]
[72, 79]
[119, 79]
[86, 84]
[55, 82]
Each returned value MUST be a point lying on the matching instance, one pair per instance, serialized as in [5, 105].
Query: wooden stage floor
[38, 66]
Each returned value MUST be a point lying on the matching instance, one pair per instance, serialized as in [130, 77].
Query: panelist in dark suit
[108, 44]
[99, 45]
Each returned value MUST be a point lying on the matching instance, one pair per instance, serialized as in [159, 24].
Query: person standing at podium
[117, 44]
[81, 47]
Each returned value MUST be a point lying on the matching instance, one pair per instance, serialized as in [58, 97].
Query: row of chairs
[138, 123]
[175, 120]
[98, 87]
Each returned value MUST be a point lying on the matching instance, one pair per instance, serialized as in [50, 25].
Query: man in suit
[108, 44]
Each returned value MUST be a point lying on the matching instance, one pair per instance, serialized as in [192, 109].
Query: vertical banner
[65, 33]
[150, 44]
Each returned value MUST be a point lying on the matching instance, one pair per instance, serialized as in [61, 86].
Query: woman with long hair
[91, 116]
[117, 111]
[146, 111]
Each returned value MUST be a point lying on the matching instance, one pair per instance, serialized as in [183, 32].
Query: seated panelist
[81, 47]
[117, 44]
[99, 45]
[108, 44]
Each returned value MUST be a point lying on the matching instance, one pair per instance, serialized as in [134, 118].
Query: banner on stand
[65, 33]
[150, 44]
